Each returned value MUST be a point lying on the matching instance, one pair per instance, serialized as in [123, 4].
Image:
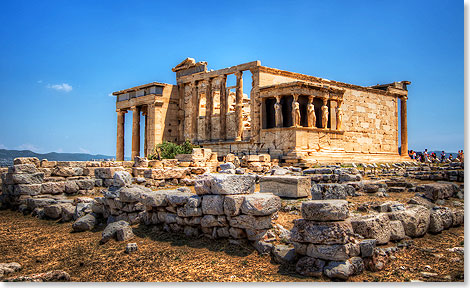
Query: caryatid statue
[311, 117]
[339, 117]
[324, 115]
[278, 112]
[296, 112]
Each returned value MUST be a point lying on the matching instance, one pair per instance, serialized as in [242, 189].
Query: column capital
[121, 111]
[404, 98]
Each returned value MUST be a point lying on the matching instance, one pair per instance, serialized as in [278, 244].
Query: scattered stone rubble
[328, 240]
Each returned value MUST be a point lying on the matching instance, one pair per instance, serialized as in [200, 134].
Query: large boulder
[322, 232]
[130, 194]
[225, 184]
[397, 231]
[84, 223]
[27, 160]
[260, 204]
[23, 178]
[27, 189]
[325, 210]
[415, 219]
[53, 187]
[375, 226]
[286, 186]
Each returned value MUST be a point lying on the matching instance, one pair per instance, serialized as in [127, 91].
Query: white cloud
[83, 150]
[39, 81]
[110, 95]
[28, 146]
[60, 87]
[3, 146]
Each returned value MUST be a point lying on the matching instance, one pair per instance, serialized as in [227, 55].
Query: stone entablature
[287, 115]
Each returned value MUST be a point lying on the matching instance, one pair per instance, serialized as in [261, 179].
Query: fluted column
[404, 127]
[223, 108]
[209, 109]
[135, 132]
[195, 115]
[120, 135]
[239, 106]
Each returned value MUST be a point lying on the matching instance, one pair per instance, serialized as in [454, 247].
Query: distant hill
[7, 156]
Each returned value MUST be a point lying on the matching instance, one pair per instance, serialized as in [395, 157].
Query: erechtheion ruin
[296, 118]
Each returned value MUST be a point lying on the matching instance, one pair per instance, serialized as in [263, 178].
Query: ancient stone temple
[293, 117]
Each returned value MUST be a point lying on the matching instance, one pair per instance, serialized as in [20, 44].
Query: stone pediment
[187, 64]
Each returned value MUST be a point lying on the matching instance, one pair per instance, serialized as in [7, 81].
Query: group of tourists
[427, 157]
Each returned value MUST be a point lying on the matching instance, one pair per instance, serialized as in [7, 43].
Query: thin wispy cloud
[3, 146]
[83, 150]
[64, 87]
[28, 146]
[39, 81]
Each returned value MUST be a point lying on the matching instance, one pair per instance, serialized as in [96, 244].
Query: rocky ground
[42, 245]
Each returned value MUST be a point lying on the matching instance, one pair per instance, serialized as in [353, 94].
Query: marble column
[209, 110]
[223, 108]
[135, 132]
[404, 127]
[120, 135]
[195, 115]
[239, 106]
[146, 134]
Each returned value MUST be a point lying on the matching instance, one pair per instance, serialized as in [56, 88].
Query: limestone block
[175, 197]
[260, 204]
[458, 216]
[27, 160]
[53, 187]
[236, 233]
[286, 186]
[130, 194]
[84, 223]
[27, 189]
[325, 191]
[213, 204]
[337, 252]
[36, 178]
[415, 219]
[440, 219]
[225, 184]
[107, 172]
[53, 211]
[122, 178]
[67, 171]
[436, 191]
[213, 221]
[325, 210]
[86, 184]
[251, 222]
[71, 187]
[321, 232]
[342, 270]
[310, 267]
[376, 226]
[154, 198]
[23, 168]
[397, 232]
[48, 164]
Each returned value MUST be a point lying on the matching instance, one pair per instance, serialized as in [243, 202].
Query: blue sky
[60, 60]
